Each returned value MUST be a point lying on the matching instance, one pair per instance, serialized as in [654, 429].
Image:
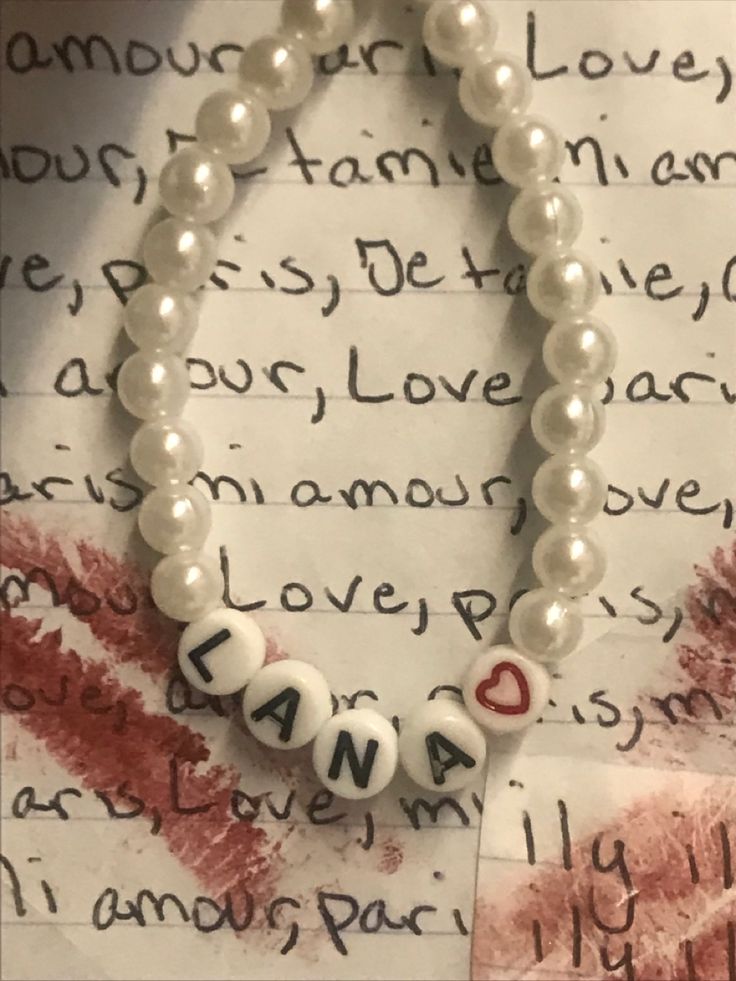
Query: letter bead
[356, 753]
[505, 691]
[441, 747]
[221, 652]
[286, 704]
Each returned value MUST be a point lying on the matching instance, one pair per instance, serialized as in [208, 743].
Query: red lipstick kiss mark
[652, 892]
[488, 684]
[84, 735]
[98, 729]
[710, 657]
[110, 595]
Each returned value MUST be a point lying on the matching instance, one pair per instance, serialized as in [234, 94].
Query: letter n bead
[356, 753]
[221, 652]
[286, 704]
[440, 746]
[505, 691]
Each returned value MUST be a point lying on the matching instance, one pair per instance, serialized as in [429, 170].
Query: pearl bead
[454, 30]
[563, 284]
[356, 753]
[286, 704]
[278, 70]
[321, 25]
[569, 487]
[166, 450]
[196, 185]
[221, 651]
[175, 517]
[582, 351]
[234, 125]
[179, 254]
[153, 385]
[569, 558]
[160, 319]
[186, 586]
[567, 418]
[526, 150]
[440, 746]
[545, 625]
[505, 691]
[545, 216]
[493, 88]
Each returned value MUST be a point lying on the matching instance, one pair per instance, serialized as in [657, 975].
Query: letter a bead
[356, 753]
[505, 691]
[440, 746]
[221, 652]
[286, 704]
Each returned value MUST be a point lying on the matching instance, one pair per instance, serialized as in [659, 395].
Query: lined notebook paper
[363, 376]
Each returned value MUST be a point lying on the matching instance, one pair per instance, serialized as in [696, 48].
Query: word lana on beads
[288, 704]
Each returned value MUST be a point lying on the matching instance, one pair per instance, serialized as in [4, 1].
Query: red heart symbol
[488, 684]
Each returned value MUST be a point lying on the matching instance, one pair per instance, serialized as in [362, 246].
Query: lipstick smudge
[101, 733]
[709, 658]
[644, 908]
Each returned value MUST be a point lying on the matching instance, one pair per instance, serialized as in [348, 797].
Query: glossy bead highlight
[527, 150]
[278, 70]
[569, 487]
[180, 254]
[196, 185]
[455, 30]
[186, 586]
[150, 386]
[545, 217]
[175, 517]
[545, 625]
[563, 285]
[321, 25]
[160, 319]
[166, 450]
[493, 88]
[567, 418]
[233, 125]
[569, 558]
[582, 351]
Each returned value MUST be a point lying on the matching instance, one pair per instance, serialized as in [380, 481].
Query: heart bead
[505, 691]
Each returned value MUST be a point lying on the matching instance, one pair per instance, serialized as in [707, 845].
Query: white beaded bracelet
[288, 704]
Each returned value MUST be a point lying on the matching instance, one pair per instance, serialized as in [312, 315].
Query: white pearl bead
[569, 487]
[166, 450]
[196, 185]
[440, 746]
[567, 418]
[505, 691]
[321, 25]
[545, 625]
[356, 753]
[160, 319]
[563, 284]
[582, 351]
[545, 216]
[454, 30]
[528, 149]
[493, 88]
[234, 125]
[277, 69]
[179, 254]
[221, 651]
[569, 558]
[186, 586]
[175, 517]
[153, 385]
[286, 704]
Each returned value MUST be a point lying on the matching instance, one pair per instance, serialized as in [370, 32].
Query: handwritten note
[362, 377]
